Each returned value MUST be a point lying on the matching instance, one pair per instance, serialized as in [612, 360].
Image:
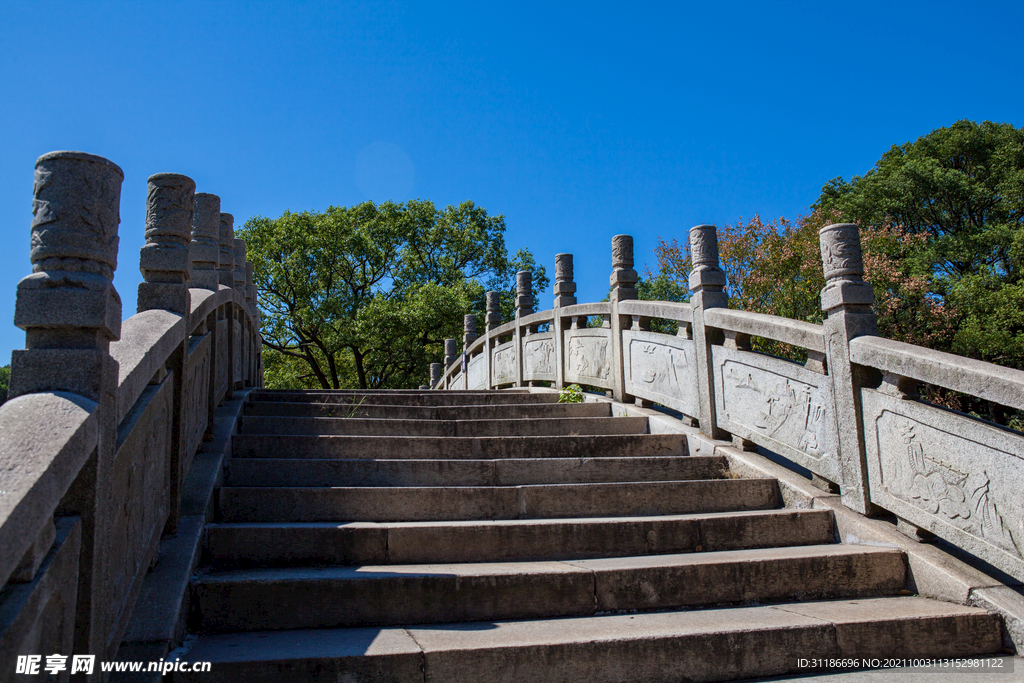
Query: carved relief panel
[138, 495]
[539, 357]
[949, 474]
[779, 405]
[503, 364]
[589, 357]
[661, 368]
[222, 359]
[197, 389]
[476, 373]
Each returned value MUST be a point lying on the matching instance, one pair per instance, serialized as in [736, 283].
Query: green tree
[364, 296]
[5, 381]
[961, 190]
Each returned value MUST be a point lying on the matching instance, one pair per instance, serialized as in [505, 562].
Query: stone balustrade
[104, 417]
[849, 415]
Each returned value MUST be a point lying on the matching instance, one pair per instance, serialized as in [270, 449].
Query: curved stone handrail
[796, 332]
[974, 377]
[667, 310]
[45, 438]
[880, 446]
[105, 416]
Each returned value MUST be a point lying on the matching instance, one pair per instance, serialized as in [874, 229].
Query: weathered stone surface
[539, 357]
[846, 299]
[226, 243]
[169, 207]
[662, 368]
[707, 280]
[779, 405]
[39, 616]
[951, 475]
[503, 364]
[565, 287]
[589, 357]
[476, 373]
[76, 211]
[257, 599]
[204, 249]
[524, 293]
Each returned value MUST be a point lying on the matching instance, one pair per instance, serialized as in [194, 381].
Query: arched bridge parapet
[849, 414]
[105, 417]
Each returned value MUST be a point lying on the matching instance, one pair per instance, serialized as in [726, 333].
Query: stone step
[409, 398]
[380, 595]
[409, 504]
[460, 447]
[510, 472]
[330, 543]
[512, 411]
[663, 647]
[544, 426]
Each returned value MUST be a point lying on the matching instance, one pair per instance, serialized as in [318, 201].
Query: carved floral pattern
[939, 488]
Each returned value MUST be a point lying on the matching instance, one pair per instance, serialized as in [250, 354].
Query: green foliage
[364, 296]
[571, 394]
[961, 190]
[5, 381]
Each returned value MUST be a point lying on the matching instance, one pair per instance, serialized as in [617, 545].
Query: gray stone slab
[366, 504]
[874, 628]
[428, 412]
[631, 445]
[409, 472]
[542, 426]
[259, 599]
[769, 574]
[280, 544]
[353, 655]
[649, 498]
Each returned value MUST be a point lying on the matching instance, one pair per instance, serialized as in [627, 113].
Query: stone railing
[105, 417]
[849, 414]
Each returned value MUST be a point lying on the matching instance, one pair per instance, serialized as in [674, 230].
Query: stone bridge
[138, 503]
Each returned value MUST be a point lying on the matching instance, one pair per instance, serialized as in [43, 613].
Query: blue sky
[576, 121]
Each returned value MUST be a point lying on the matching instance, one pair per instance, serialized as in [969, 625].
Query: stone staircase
[501, 536]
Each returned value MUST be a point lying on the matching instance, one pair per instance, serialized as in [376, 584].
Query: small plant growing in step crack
[571, 394]
[353, 407]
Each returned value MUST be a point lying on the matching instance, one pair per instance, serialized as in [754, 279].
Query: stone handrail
[850, 415]
[104, 417]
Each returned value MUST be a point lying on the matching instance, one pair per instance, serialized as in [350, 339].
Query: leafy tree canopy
[961, 189]
[364, 296]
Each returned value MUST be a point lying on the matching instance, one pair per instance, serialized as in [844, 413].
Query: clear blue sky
[575, 121]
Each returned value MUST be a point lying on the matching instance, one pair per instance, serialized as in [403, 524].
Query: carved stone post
[226, 313]
[565, 295]
[71, 312]
[238, 317]
[451, 350]
[847, 300]
[493, 310]
[165, 263]
[204, 251]
[493, 321]
[623, 281]
[205, 246]
[524, 307]
[707, 280]
[254, 336]
[435, 374]
[226, 242]
[524, 293]
[468, 337]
